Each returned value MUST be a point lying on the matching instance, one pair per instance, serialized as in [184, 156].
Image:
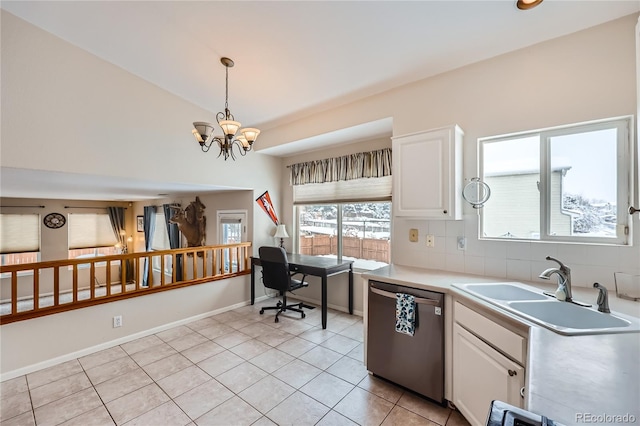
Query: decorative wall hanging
[192, 223]
[54, 220]
[265, 202]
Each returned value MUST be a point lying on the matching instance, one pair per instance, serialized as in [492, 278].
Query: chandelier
[203, 131]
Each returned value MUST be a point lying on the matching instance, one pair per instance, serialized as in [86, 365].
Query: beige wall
[89, 116]
[583, 76]
[41, 342]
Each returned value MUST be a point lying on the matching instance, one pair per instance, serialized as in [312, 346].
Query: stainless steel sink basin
[562, 317]
[567, 315]
[504, 292]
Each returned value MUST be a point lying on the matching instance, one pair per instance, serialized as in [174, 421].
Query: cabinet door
[480, 375]
[427, 171]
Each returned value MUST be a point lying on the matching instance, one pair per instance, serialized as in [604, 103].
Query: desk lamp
[281, 232]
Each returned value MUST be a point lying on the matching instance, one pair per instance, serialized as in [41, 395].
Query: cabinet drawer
[508, 342]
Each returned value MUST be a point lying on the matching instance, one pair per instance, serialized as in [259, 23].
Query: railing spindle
[36, 289]
[56, 286]
[14, 292]
[108, 278]
[75, 283]
[92, 281]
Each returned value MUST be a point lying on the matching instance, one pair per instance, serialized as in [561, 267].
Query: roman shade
[19, 233]
[88, 230]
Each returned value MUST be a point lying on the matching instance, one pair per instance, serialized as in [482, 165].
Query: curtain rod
[35, 207]
[87, 207]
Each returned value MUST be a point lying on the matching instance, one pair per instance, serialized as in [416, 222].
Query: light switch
[413, 235]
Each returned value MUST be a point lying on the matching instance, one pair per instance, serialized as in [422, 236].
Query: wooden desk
[316, 266]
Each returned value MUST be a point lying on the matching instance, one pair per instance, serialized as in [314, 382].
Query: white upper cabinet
[427, 174]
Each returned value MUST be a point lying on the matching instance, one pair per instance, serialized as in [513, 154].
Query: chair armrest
[302, 281]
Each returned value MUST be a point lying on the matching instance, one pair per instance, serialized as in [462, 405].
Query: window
[160, 241]
[231, 230]
[19, 238]
[231, 227]
[344, 208]
[568, 183]
[160, 238]
[91, 235]
[90, 230]
[359, 231]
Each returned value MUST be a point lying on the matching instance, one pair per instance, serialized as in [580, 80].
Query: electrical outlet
[117, 321]
[413, 235]
[431, 241]
[462, 243]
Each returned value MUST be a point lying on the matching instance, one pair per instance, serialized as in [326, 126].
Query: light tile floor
[235, 368]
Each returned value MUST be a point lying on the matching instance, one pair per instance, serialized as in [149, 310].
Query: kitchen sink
[504, 292]
[562, 317]
[567, 315]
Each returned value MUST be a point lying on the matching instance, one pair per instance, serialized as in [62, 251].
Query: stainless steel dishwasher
[414, 362]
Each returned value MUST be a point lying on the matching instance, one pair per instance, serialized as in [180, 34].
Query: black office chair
[277, 276]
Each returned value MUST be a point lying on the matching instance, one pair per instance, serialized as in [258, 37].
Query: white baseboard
[106, 345]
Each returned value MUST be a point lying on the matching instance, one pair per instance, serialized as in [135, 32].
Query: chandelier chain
[226, 93]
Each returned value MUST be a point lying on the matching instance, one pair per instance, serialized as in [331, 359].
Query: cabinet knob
[522, 391]
[513, 373]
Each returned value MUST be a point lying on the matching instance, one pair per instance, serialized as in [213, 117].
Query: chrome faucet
[564, 277]
[603, 298]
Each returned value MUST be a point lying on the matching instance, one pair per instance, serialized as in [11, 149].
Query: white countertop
[568, 376]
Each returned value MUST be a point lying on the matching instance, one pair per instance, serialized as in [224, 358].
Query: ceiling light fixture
[527, 4]
[203, 131]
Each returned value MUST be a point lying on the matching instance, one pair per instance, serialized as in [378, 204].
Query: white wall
[64, 109]
[41, 342]
[583, 76]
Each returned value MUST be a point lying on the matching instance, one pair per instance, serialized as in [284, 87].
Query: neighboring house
[514, 194]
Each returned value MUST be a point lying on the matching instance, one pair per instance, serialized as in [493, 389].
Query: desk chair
[277, 276]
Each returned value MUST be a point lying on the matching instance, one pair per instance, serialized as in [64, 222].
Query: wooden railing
[36, 289]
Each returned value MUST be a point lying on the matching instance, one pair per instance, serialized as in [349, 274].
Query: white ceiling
[295, 58]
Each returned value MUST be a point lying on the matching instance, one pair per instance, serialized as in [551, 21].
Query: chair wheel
[303, 315]
[261, 311]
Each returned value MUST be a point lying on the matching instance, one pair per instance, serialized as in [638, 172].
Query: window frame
[339, 226]
[624, 179]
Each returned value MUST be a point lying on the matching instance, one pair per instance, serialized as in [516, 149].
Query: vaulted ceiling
[295, 58]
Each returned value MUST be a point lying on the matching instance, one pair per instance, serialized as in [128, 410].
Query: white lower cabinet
[482, 374]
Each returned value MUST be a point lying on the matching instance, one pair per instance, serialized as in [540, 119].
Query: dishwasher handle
[418, 300]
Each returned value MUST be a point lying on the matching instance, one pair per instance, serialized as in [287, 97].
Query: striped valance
[354, 166]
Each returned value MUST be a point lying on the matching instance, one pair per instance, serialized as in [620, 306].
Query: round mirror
[476, 192]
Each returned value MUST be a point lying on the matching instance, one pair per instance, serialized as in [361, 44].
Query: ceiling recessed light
[527, 4]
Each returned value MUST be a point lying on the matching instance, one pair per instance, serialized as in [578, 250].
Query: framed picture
[140, 223]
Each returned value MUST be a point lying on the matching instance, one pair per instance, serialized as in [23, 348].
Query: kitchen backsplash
[517, 260]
